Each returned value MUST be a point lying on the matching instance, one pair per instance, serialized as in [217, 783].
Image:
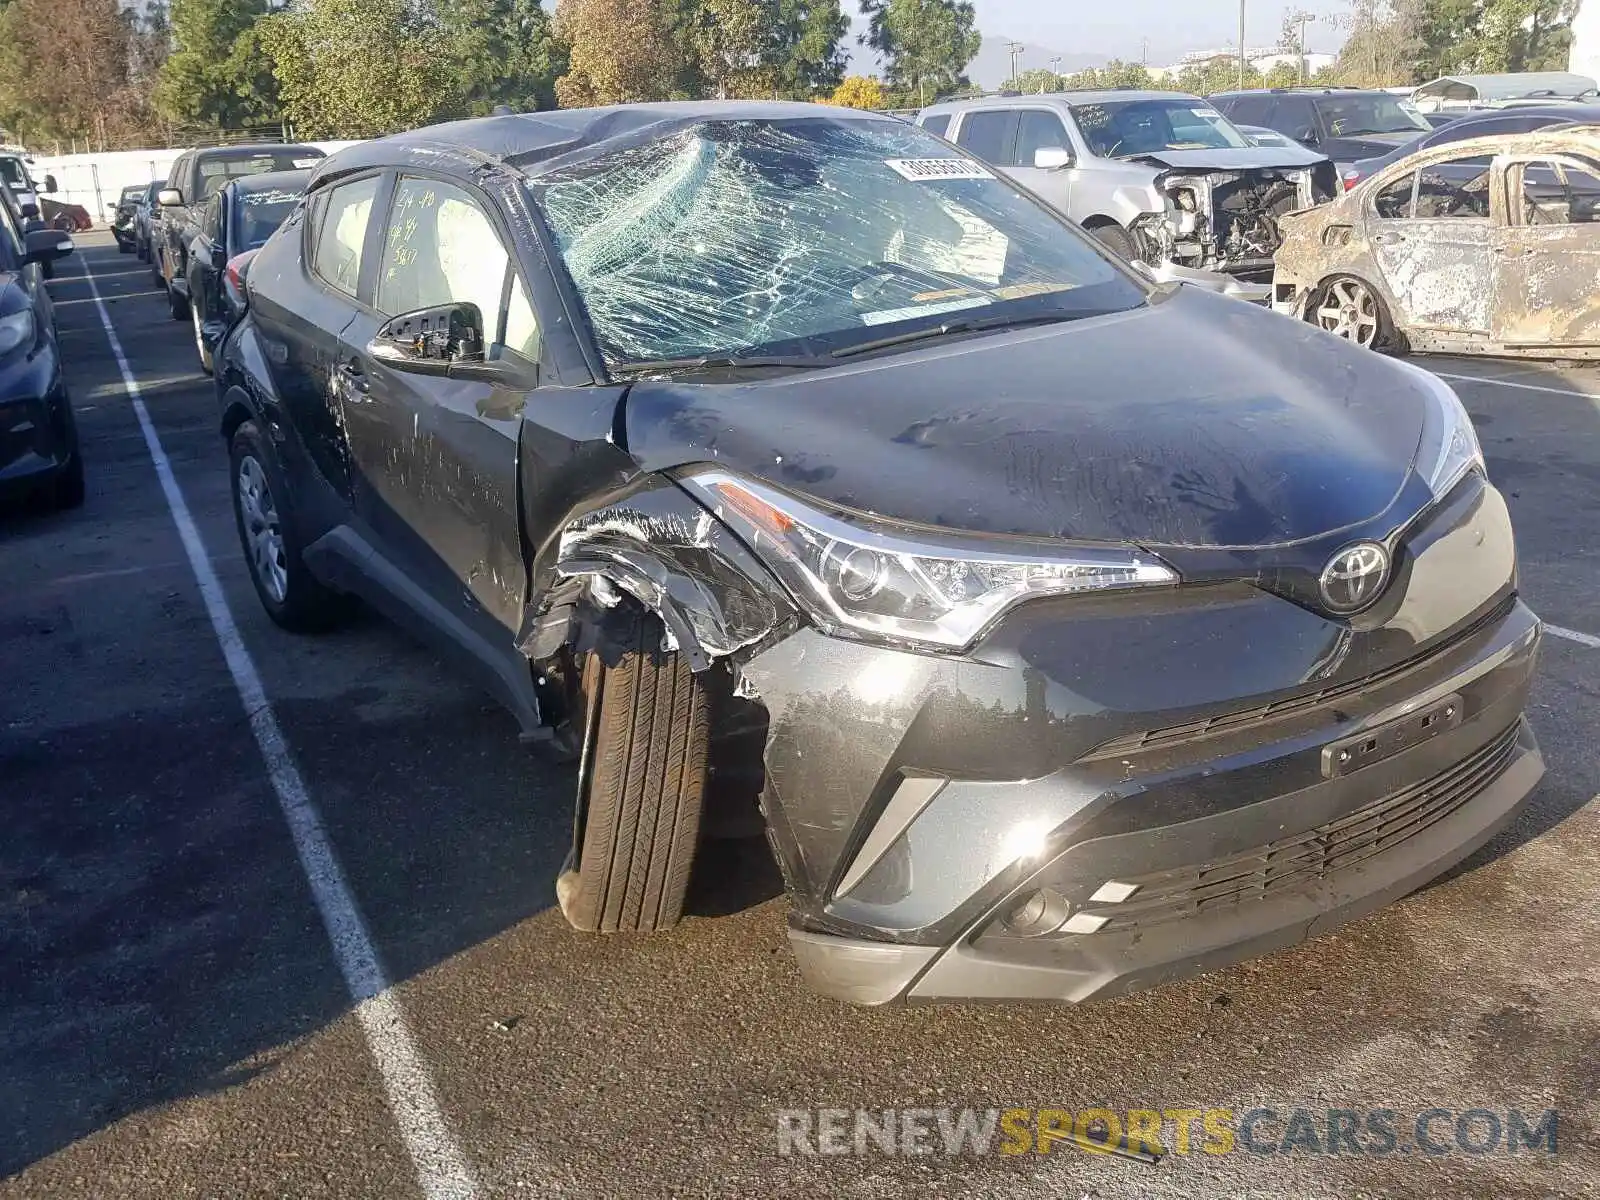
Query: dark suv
[1345, 124]
[194, 178]
[1087, 632]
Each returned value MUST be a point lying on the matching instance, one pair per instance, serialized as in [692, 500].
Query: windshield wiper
[949, 328]
[721, 362]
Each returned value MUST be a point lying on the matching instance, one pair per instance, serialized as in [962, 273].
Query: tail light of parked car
[1350, 178]
[233, 277]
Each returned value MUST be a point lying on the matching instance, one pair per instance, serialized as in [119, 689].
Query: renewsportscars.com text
[1371, 1132]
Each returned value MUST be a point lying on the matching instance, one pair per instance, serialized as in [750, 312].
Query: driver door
[1547, 253]
[1431, 232]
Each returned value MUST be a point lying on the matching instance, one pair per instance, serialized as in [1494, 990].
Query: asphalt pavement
[182, 1005]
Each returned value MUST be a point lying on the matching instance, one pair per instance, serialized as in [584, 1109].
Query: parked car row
[39, 451]
[1087, 631]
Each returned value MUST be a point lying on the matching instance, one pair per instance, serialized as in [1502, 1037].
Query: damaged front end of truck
[1220, 228]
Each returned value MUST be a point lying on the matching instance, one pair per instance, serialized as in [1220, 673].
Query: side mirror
[1307, 136]
[431, 341]
[50, 183]
[1052, 158]
[46, 245]
[169, 197]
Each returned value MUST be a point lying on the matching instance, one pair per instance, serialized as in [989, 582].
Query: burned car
[1067, 667]
[1160, 177]
[1489, 245]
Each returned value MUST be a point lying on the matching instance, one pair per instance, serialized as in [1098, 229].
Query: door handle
[1387, 238]
[354, 376]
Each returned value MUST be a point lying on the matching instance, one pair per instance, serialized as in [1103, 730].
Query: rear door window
[1394, 201]
[341, 233]
[988, 133]
[938, 123]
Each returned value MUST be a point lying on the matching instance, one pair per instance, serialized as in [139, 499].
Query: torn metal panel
[1488, 245]
[677, 560]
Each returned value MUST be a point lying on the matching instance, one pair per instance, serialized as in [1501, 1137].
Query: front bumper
[1219, 282]
[1147, 775]
[37, 434]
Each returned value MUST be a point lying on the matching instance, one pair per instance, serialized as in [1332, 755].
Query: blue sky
[1173, 26]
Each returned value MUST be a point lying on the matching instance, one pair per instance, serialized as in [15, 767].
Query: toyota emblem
[1354, 577]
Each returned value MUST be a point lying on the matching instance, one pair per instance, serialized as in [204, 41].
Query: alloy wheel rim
[262, 533]
[1349, 310]
[199, 340]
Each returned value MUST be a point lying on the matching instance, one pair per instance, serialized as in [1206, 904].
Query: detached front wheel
[641, 785]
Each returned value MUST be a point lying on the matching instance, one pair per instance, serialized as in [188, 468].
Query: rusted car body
[1485, 246]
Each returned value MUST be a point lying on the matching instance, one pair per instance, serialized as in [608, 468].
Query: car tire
[124, 246]
[1363, 318]
[47, 270]
[642, 784]
[142, 252]
[292, 596]
[177, 304]
[157, 275]
[200, 350]
[1116, 239]
[67, 490]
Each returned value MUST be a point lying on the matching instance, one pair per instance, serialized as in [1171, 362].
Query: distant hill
[990, 69]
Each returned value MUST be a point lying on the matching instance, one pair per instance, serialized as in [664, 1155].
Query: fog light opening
[1041, 911]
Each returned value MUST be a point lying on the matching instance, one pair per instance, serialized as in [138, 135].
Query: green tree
[1034, 82]
[925, 44]
[1115, 74]
[1219, 74]
[358, 68]
[203, 81]
[807, 47]
[1524, 35]
[500, 52]
[626, 50]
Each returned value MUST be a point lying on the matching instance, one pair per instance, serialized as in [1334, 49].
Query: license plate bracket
[1351, 754]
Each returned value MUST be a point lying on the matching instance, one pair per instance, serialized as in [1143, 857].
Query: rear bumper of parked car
[37, 435]
[1114, 793]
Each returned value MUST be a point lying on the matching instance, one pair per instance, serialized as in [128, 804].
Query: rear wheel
[157, 275]
[261, 509]
[142, 251]
[67, 490]
[1351, 308]
[641, 786]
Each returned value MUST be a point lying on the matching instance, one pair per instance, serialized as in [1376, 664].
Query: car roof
[1309, 91]
[1576, 114]
[272, 181]
[1098, 96]
[256, 150]
[528, 140]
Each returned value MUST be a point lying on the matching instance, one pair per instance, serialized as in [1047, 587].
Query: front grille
[1171, 735]
[1308, 857]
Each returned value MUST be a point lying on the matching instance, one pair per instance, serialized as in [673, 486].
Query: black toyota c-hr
[1098, 632]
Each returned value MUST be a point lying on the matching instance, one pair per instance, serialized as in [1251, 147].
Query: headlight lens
[867, 581]
[16, 330]
[1449, 447]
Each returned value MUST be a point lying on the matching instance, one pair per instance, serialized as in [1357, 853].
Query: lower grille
[1309, 857]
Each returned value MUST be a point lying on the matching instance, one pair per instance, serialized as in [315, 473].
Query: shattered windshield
[1350, 116]
[258, 214]
[1124, 128]
[807, 236]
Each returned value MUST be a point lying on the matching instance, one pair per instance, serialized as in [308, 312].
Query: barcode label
[937, 168]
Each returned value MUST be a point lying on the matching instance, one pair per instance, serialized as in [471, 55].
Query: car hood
[1195, 421]
[1373, 145]
[1246, 158]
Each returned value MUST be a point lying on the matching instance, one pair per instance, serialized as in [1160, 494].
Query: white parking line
[1572, 635]
[1527, 387]
[440, 1167]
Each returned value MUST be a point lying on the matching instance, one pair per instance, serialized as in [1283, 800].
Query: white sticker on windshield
[887, 316]
[1203, 112]
[937, 168]
[300, 164]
